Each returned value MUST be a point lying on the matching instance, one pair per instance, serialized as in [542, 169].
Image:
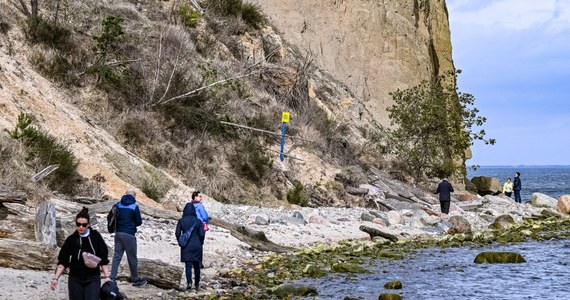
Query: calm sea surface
[451, 274]
[553, 181]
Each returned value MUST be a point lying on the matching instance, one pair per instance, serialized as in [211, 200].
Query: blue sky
[515, 58]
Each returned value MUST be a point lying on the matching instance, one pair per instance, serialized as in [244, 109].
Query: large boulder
[563, 205]
[503, 222]
[542, 200]
[395, 217]
[459, 225]
[467, 197]
[487, 185]
[421, 219]
[492, 257]
[469, 186]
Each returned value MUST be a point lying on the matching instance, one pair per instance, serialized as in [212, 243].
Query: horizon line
[504, 165]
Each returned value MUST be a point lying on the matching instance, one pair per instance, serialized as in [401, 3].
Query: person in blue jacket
[200, 209]
[128, 220]
[192, 253]
[201, 213]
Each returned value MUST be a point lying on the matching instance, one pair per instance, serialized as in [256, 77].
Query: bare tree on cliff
[34, 6]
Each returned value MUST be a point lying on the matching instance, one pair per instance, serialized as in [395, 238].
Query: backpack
[185, 237]
[110, 291]
[112, 218]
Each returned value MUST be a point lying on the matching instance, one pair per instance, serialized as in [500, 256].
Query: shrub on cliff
[250, 13]
[44, 150]
[434, 126]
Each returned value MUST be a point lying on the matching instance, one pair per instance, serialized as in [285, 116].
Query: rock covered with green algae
[313, 271]
[393, 285]
[389, 297]
[492, 257]
[285, 291]
[348, 268]
[502, 222]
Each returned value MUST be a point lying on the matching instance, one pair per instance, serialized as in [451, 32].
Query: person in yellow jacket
[508, 188]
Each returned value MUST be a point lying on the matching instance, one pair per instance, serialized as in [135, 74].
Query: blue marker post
[284, 120]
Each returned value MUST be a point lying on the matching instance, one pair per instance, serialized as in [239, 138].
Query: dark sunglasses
[81, 224]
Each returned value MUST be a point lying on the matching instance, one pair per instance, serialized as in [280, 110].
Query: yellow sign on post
[284, 120]
[285, 117]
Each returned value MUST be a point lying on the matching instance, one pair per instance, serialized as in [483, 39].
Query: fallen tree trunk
[413, 200]
[386, 205]
[105, 207]
[11, 195]
[377, 232]
[27, 255]
[255, 239]
[356, 191]
[17, 222]
[156, 272]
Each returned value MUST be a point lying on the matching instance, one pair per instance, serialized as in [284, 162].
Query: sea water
[553, 181]
[451, 273]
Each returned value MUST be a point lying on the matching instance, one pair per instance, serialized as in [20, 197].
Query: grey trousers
[125, 242]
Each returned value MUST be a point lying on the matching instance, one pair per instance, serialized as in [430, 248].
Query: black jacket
[70, 254]
[444, 190]
[517, 185]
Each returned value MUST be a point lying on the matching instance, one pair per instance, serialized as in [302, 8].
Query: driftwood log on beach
[254, 238]
[27, 255]
[377, 232]
[12, 195]
[407, 199]
[158, 273]
[356, 191]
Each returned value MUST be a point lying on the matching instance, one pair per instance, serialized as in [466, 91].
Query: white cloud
[561, 19]
[512, 14]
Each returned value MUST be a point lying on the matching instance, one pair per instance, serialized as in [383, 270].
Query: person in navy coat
[191, 254]
[517, 186]
[444, 190]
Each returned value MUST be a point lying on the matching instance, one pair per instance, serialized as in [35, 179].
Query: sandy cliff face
[375, 47]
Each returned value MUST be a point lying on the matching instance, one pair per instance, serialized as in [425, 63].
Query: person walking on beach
[77, 254]
[517, 186]
[201, 213]
[191, 254]
[444, 190]
[125, 240]
[508, 188]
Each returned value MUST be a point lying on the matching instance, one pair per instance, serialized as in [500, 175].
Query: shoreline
[224, 253]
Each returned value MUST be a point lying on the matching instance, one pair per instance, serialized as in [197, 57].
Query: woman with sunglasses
[84, 282]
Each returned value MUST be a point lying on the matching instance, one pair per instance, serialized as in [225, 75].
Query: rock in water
[499, 258]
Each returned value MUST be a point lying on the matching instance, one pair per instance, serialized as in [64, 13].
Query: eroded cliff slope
[375, 47]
